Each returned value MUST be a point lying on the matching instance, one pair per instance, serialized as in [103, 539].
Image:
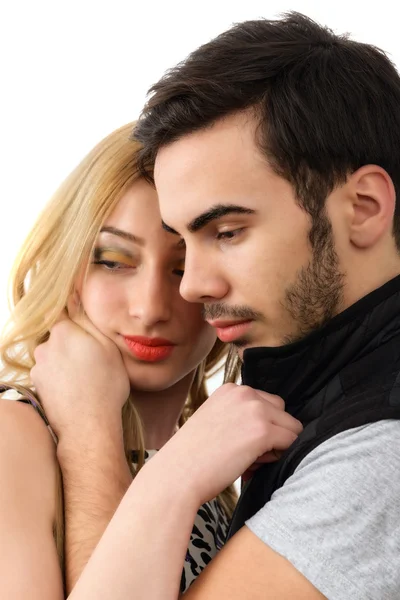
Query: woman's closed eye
[113, 260]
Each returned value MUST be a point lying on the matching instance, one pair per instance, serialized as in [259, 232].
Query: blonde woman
[95, 299]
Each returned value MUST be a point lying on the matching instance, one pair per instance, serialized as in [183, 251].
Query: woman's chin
[152, 382]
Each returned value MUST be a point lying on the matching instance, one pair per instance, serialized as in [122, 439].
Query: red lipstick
[149, 349]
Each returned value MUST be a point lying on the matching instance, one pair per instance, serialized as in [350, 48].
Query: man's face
[248, 255]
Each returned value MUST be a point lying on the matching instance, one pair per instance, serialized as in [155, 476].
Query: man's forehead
[176, 214]
[192, 175]
[222, 142]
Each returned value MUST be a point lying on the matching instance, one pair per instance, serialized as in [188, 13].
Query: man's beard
[317, 294]
[312, 300]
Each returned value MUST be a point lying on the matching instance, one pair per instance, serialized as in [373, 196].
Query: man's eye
[229, 235]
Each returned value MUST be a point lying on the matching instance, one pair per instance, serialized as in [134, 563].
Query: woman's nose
[151, 301]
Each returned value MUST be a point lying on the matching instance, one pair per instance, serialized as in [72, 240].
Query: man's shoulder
[361, 460]
[373, 443]
[336, 518]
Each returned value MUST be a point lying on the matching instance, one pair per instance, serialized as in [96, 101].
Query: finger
[283, 419]
[277, 401]
[83, 321]
[268, 457]
[247, 475]
[80, 318]
[279, 439]
[74, 316]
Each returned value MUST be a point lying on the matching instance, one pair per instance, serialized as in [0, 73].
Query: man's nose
[202, 280]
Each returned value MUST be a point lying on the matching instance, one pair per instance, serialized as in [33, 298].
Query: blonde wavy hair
[46, 268]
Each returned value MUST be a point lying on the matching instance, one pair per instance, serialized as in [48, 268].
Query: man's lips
[229, 331]
[149, 349]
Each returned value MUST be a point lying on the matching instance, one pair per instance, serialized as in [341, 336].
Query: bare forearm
[96, 477]
[142, 552]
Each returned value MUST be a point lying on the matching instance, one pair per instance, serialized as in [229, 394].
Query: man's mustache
[219, 310]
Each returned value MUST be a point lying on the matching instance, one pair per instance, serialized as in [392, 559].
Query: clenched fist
[80, 378]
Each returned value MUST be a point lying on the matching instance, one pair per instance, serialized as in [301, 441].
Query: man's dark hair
[326, 105]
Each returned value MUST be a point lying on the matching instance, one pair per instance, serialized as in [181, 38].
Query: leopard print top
[208, 535]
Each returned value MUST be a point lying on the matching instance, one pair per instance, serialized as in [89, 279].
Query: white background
[72, 71]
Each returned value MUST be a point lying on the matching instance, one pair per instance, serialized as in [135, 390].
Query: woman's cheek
[99, 301]
[203, 339]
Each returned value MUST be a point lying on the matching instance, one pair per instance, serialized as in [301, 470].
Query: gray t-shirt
[337, 518]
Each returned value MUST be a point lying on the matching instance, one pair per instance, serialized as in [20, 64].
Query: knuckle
[279, 401]
[229, 386]
[261, 430]
[255, 413]
[245, 392]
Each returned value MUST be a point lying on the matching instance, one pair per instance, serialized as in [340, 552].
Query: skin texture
[260, 260]
[27, 506]
[178, 486]
[254, 262]
[249, 260]
[131, 288]
[139, 293]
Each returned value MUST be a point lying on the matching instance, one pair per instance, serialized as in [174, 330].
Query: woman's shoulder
[28, 505]
[20, 420]
[27, 450]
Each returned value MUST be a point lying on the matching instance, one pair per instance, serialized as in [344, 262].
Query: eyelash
[111, 265]
[226, 236]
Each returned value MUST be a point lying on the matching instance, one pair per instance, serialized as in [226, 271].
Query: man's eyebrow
[123, 234]
[216, 212]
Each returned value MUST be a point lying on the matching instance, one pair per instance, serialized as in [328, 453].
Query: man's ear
[373, 203]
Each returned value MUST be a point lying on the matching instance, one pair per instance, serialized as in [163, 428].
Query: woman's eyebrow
[123, 234]
[134, 238]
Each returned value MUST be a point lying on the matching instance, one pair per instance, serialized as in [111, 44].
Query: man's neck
[366, 275]
[301, 371]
